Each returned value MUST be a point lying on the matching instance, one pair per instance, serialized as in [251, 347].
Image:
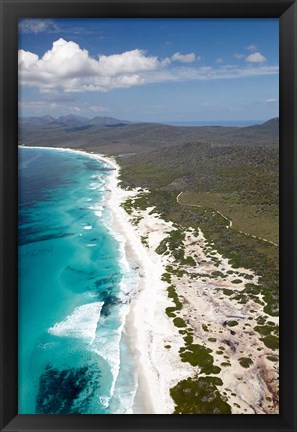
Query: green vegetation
[197, 355]
[271, 323]
[189, 261]
[266, 330]
[270, 333]
[245, 362]
[199, 396]
[140, 202]
[162, 248]
[265, 223]
[217, 274]
[232, 323]
[211, 173]
[170, 312]
[188, 339]
[174, 243]
[178, 305]
[179, 322]
[175, 271]
[272, 358]
[254, 199]
[166, 277]
[149, 170]
[242, 251]
[144, 240]
[205, 327]
[271, 342]
[227, 291]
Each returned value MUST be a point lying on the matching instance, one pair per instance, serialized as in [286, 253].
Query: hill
[112, 136]
[229, 191]
[69, 120]
[232, 169]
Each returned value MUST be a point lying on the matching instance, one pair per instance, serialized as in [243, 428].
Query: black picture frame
[11, 11]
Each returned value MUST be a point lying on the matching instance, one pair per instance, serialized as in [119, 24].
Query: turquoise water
[75, 286]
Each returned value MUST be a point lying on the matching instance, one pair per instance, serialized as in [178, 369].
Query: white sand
[147, 325]
[161, 368]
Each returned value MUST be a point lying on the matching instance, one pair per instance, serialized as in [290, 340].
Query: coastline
[139, 333]
[150, 330]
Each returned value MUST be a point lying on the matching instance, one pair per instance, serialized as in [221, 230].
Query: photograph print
[148, 216]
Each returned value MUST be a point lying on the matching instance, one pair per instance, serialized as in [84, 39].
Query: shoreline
[146, 401]
[206, 310]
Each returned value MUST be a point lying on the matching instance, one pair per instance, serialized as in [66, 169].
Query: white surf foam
[95, 207]
[99, 185]
[82, 323]
[107, 344]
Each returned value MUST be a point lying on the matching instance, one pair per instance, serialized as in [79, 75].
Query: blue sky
[166, 70]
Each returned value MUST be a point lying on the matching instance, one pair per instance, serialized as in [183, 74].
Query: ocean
[75, 287]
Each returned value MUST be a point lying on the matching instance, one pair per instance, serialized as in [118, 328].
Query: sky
[150, 69]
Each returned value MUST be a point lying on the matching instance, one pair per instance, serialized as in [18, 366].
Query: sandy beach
[221, 324]
[248, 390]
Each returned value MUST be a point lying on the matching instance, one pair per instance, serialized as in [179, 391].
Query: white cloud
[68, 68]
[252, 48]
[228, 66]
[238, 56]
[272, 100]
[127, 62]
[209, 73]
[219, 60]
[37, 25]
[184, 58]
[36, 106]
[256, 57]
[96, 109]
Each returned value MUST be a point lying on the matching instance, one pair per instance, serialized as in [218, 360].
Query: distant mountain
[106, 121]
[274, 122]
[235, 123]
[112, 136]
[271, 126]
[71, 120]
[37, 121]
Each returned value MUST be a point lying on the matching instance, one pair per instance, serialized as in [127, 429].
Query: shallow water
[75, 286]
